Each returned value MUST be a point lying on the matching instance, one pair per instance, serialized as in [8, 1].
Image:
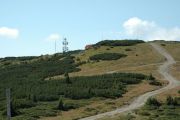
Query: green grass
[45, 109]
[164, 112]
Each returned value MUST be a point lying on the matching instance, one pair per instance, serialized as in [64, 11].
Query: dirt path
[140, 101]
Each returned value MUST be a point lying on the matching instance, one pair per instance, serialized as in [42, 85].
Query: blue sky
[29, 27]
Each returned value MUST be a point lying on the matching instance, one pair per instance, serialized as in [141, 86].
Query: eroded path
[140, 101]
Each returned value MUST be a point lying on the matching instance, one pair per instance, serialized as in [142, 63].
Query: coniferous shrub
[107, 56]
[67, 79]
[153, 102]
[14, 109]
[60, 104]
[34, 98]
[171, 101]
[28, 81]
[22, 103]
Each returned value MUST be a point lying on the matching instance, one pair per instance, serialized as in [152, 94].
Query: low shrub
[163, 44]
[22, 103]
[172, 101]
[128, 49]
[144, 113]
[107, 48]
[47, 97]
[65, 106]
[153, 102]
[107, 56]
[154, 82]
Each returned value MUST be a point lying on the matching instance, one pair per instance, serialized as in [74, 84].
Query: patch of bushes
[65, 106]
[107, 56]
[144, 113]
[153, 102]
[19, 58]
[166, 111]
[29, 78]
[107, 48]
[44, 97]
[119, 42]
[163, 44]
[153, 81]
[172, 101]
[128, 49]
[22, 103]
[74, 52]
[81, 63]
[169, 101]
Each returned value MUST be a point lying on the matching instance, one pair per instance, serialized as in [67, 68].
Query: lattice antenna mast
[65, 45]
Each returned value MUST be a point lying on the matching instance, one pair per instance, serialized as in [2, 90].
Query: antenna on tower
[65, 45]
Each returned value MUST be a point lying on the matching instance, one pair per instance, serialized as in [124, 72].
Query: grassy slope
[142, 59]
[145, 56]
[174, 50]
[146, 61]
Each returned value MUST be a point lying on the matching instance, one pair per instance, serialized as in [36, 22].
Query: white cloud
[53, 37]
[136, 27]
[11, 33]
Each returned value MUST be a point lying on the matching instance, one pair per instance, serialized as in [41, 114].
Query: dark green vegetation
[18, 58]
[118, 42]
[153, 81]
[107, 56]
[32, 96]
[26, 80]
[156, 110]
[153, 102]
[108, 85]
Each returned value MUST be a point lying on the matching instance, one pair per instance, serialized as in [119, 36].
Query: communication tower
[65, 45]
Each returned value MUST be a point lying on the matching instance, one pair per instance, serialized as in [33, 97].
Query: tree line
[119, 42]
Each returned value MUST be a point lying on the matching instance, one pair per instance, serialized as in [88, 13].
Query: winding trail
[140, 101]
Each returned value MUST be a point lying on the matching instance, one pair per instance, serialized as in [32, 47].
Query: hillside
[165, 110]
[140, 58]
[87, 82]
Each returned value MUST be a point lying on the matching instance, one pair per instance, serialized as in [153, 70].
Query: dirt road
[140, 101]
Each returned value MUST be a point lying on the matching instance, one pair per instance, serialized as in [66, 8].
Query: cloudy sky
[30, 27]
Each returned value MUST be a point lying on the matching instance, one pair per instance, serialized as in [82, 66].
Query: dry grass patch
[173, 92]
[175, 70]
[141, 59]
[173, 48]
[140, 55]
